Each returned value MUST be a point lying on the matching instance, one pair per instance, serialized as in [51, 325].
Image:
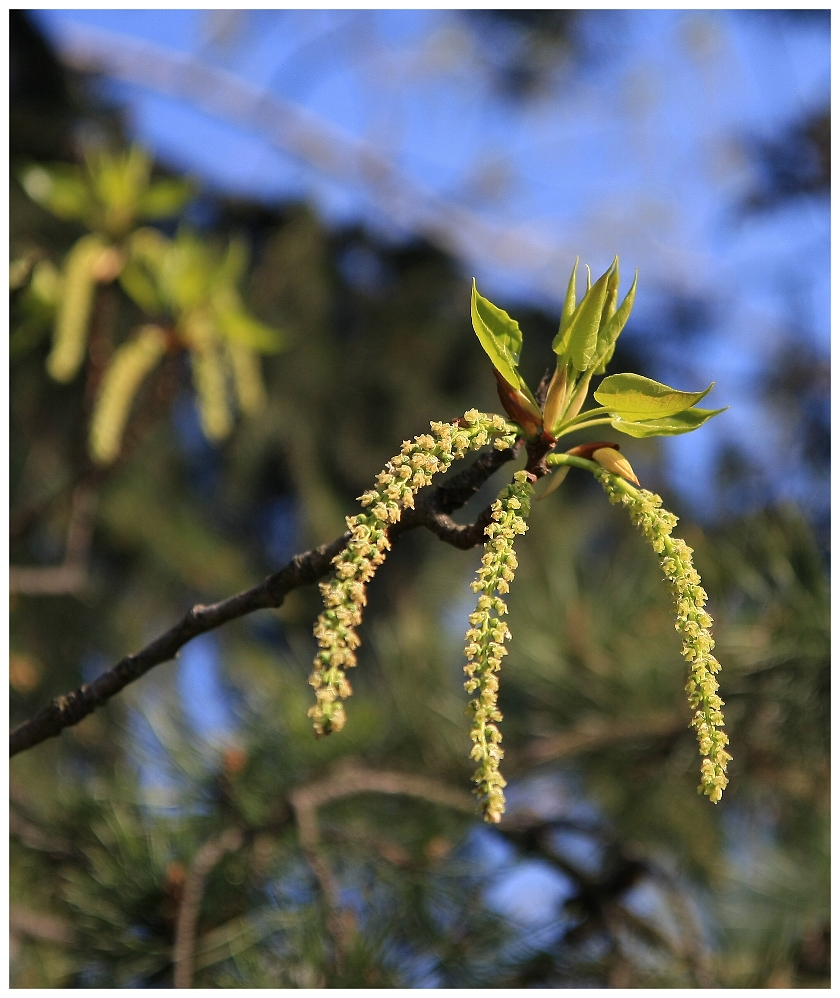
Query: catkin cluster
[693, 623]
[486, 637]
[344, 596]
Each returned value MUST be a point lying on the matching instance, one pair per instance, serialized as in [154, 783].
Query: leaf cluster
[584, 345]
[185, 288]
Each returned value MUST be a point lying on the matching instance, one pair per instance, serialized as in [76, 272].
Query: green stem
[555, 460]
[582, 426]
[582, 417]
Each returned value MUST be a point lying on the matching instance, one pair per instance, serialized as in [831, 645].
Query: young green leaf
[500, 336]
[633, 397]
[667, 426]
[558, 344]
[555, 399]
[611, 329]
[60, 189]
[583, 329]
[139, 285]
[618, 320]
[611, 301]
[165, 198]
[246, 331]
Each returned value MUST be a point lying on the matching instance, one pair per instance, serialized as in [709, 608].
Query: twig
[304, 569]
[36, 925]
[347, 781]
[183, 954]
[602, 733]
[71, 575]
[692, 948]
[312, 139]
[33, 837]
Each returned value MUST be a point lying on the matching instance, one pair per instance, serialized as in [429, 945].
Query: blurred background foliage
[608, 870]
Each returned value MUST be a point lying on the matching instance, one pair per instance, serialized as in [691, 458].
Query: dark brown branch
[70, 708]
[302, 570]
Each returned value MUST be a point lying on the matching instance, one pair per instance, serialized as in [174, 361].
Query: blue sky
[637, 149]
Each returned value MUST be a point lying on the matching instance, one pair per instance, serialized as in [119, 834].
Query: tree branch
[185, 928]
[304, 569]
[312, 139]
[71, 575]
[595, 734]
[40, 926]
[347, 780]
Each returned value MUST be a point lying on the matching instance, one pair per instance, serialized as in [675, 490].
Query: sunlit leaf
[633, 397]
[244, 329]
[165, 198]
[583, 328]
[610, 331]
[186, 273]
[558, 344]
[235, 263]
[500, 336]
[667, 426]
[60, 189]
[139, 286]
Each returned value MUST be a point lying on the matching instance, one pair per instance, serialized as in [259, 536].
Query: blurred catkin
[129, 366]
[209, 376]
[247, 378]
[74, 308]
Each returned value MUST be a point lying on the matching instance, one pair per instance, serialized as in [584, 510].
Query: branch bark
[304, 569]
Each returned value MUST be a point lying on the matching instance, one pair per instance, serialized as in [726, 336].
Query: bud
[555, 400]
[578, 398]
[609, 458]
[519, 407]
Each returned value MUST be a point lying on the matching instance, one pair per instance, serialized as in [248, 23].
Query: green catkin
[129, 366]
[485, 640]
[344, 597]
[74, 309]
[247, 378]
[209, 372]
[693, 623]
